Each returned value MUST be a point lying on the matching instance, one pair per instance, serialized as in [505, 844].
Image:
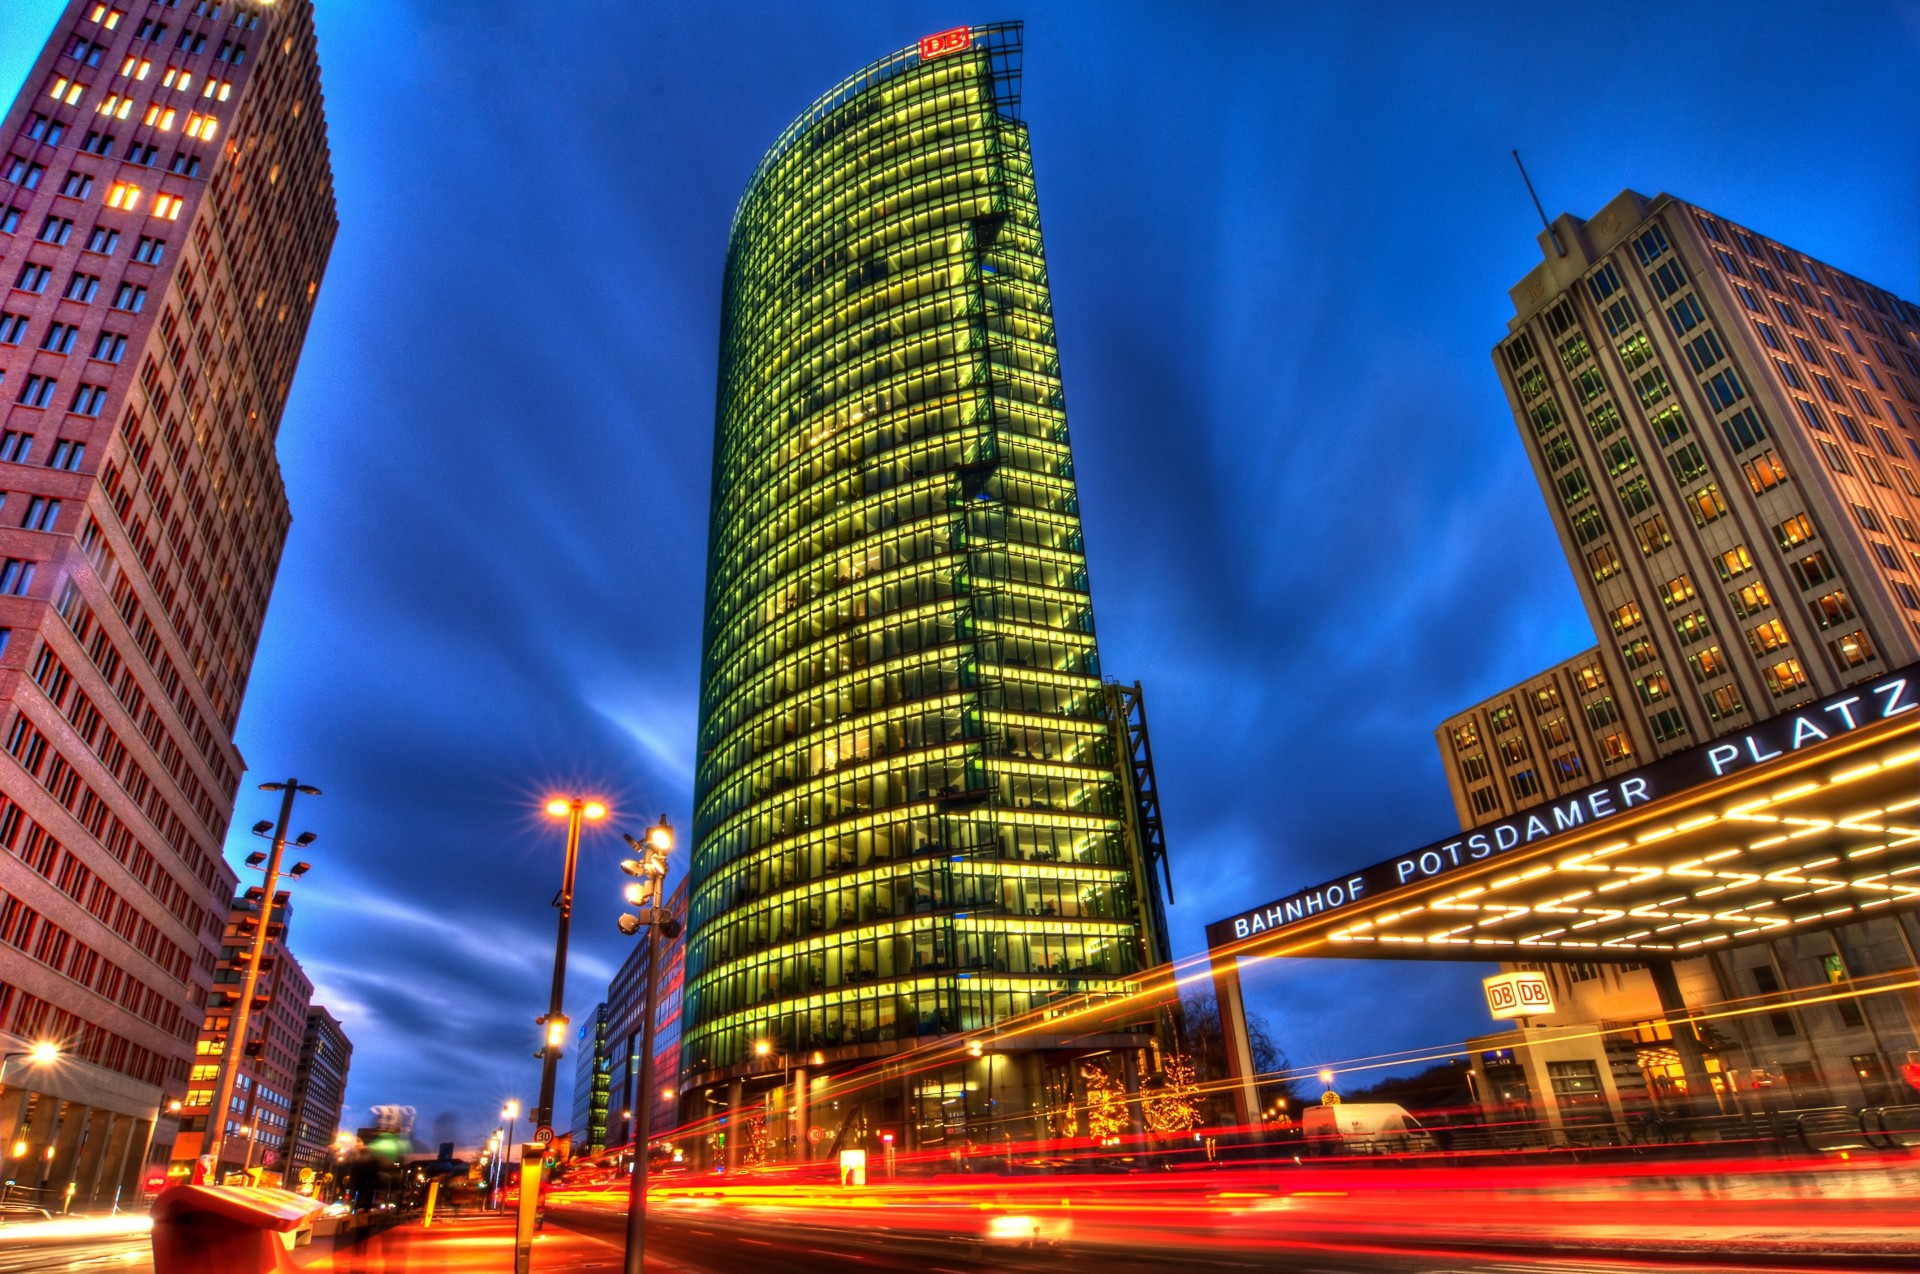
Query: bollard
[532, 1165]
[227, 1229]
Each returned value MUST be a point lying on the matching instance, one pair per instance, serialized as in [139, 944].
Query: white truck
[1364, 1128]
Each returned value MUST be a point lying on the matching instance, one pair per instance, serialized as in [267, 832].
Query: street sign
[816, 1134]
[543, 1136]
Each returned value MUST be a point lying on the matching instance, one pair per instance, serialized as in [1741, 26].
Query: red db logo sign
[936, 46]
[1524, 994]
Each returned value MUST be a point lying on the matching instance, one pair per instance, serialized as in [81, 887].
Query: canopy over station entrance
[1807, 820]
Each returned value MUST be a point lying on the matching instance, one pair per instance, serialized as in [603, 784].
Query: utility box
[199, 1229]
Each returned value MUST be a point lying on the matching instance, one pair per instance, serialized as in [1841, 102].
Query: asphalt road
[83, 1256]
[727, 1243]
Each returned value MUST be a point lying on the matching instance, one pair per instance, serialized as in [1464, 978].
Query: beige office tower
[1728, 435]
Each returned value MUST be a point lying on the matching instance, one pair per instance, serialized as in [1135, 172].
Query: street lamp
[576, 810]
[647, 891]
[38, 1054]
[236, 1043]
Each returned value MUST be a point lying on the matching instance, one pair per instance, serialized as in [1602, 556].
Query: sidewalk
[459, 1243]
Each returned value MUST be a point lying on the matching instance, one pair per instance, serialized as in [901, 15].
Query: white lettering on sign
[1522, 994]
[1502, 837]
[1311, 902]
[1888, 699]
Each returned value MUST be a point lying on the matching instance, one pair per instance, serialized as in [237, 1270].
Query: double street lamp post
[648, 892]
[235, 1047]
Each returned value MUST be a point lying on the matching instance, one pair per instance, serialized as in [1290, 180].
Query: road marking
[756, 1242]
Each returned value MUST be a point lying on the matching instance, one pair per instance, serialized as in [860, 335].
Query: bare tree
[1205, 1042]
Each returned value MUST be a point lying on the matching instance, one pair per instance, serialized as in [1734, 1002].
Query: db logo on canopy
[1524, 994]
[934, 46]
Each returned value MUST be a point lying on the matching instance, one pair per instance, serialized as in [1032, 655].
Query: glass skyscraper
[918, 808]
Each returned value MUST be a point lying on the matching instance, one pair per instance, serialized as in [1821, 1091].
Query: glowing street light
[649, 892]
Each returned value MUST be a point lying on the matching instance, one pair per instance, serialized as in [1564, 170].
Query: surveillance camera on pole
[648, 892]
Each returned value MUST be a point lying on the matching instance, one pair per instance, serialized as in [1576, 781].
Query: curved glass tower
[913, 812]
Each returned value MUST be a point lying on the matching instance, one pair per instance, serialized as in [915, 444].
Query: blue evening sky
[1280, 240]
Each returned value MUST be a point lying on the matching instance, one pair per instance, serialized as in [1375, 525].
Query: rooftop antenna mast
[1552, 234]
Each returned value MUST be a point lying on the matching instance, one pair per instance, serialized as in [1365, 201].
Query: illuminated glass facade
[913, 813]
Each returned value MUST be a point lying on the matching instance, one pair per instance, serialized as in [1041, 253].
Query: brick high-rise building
[319, 1090]
[1727, 433]
[260, 1118]
[166, 212]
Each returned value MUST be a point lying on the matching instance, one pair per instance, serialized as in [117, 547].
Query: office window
[67, 455]
[1851, 650]
[13, 328]
[1768, 636]
[88, 400]
[1590, 677]
[1558, 452]
[1636, 496]
[1474, 768]
[1724, 389]
[32, 278]
[202, 126]
[185, 164]
[9, 218]
[1602, 421]
[1588, 525]
[168, 206]
[1676, 590]
[1603, 562]
[1704, 350]
[1545, 699]
[1686, 314]
[150, 250]
[1688, 463]
[37, 391]
[1669, 423]
[1652, 387]
[1868, 519]
[82, 287]
[16, 576]
[1575, 351]
[56, 230]
[1812, 569]
[1908, 597]
[103, 241]
[1636, 350]
[41, 514]
[1602, 712]
[1652, 245]
[1616, 748]
[22, 173]
[1653, 687]
[1734, 561]
[1619, 457]
[1888, 558]
[1465, 736]
[1639, 653]
[1722, 702]
[15, 447]
[65, 90]
[59, 338]
[1692, 626]
[1744, 429]
[1784, 677]
[1574, 486]
[1668, 279]
[1905, 528]
[123, 195]
[1653, 535]
[1795, 531]
[1707, 504]
[1589, 385]
[1485, 800]
[1503, 718]
[1764, 472]
[1707, 664]
[1670, 723]
[1750, 599]
[1525, 785]
[1627, 617]
[130, 298]
[1619, 316]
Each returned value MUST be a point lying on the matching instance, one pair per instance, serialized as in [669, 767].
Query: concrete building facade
[166, 211]
[1727, 434]
[260, 1117]
[319, 1090]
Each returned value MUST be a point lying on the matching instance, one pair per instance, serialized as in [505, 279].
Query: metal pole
[214, 1140]
[550, 1053]
[643, 1104]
